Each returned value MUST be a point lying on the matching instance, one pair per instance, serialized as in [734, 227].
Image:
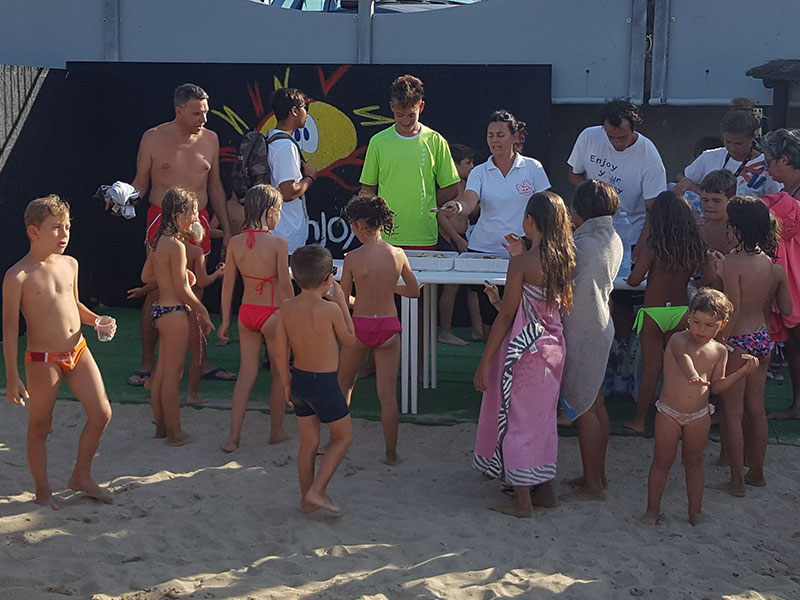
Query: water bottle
[693, 199]
[625, 231]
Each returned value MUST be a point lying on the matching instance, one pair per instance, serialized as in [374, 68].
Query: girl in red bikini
[375, 268]
[263, 262]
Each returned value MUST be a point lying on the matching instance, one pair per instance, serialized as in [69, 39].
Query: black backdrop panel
[87, 121]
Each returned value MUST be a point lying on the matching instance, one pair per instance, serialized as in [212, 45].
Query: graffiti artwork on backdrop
[329, 142]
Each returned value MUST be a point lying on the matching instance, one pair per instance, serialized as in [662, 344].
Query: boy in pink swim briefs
[44, 286]
[375, 268]
[694, 366]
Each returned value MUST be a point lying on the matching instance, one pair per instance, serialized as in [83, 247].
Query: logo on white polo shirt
[525, 187]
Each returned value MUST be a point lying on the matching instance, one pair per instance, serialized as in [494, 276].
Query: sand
[192, 522]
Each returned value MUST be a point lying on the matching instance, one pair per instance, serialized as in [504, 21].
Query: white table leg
[434, 304]
[404, 354]
[426, 343]
[413, 342]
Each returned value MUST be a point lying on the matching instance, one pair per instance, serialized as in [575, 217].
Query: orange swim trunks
[154, 218]
[66, 361]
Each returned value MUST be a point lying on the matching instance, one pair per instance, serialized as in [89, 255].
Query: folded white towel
[119, 198]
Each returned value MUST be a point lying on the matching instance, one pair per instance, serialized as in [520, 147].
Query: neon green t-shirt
[407, 171]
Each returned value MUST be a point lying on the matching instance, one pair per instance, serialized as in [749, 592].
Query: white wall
[575, 36]
[710, 44]
[593, 46]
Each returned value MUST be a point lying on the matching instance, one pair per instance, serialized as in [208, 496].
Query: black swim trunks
[318, 394]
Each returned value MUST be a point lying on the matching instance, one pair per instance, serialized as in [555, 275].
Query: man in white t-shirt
[616, 153]
[288, 171]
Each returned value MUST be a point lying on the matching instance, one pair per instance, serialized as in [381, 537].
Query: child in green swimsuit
[673, 253]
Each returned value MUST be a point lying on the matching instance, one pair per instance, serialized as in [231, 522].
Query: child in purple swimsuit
[752, 282]
[694, 368]
[375, 268]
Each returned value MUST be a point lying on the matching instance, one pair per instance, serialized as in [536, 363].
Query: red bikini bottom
[254, 316]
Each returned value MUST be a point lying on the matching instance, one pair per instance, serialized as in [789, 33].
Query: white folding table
[429, 282]
[409, 318]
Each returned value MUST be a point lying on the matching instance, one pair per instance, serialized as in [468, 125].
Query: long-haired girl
[263, 262]
[752, 281]
[520, 369]
[166, 266]
[674, 251]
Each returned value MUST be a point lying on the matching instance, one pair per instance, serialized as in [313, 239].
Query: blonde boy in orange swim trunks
[44, 286]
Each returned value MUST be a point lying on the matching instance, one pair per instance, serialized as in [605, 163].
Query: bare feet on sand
[229, 446]
[544, 495]
[46, 501]
[392, 458]
[579, 482]
[179, 439]
[789, 413]
[513, 510]
[755, 479]
[161, 431]
[452, 339]
[697, 519]
[634, 426]
[91, 489]
[650, 518]
[279, 438]
[312, 502]
[728, 487]
[195, 400]
[584, 493]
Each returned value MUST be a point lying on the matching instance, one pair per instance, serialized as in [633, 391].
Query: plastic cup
[105, 327]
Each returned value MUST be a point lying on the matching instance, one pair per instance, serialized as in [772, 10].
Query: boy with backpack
[277, 160]
[288, 171]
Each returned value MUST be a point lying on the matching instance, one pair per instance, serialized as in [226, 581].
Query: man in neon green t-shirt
[404, 165]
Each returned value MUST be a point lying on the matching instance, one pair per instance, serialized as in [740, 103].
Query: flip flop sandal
[139, 378]
[218, 374]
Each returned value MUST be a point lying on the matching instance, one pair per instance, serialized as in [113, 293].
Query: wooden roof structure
[777, 75]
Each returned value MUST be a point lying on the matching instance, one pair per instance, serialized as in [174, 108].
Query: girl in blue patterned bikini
[752, 282]
[166, 266]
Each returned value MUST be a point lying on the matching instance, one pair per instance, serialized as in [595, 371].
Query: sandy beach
[195, 523]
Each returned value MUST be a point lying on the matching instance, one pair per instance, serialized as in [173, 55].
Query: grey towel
[588, 329]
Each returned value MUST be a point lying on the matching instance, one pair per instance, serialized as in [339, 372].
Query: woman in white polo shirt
[500, 187]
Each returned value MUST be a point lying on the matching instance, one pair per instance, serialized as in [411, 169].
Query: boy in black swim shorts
[310, 324]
